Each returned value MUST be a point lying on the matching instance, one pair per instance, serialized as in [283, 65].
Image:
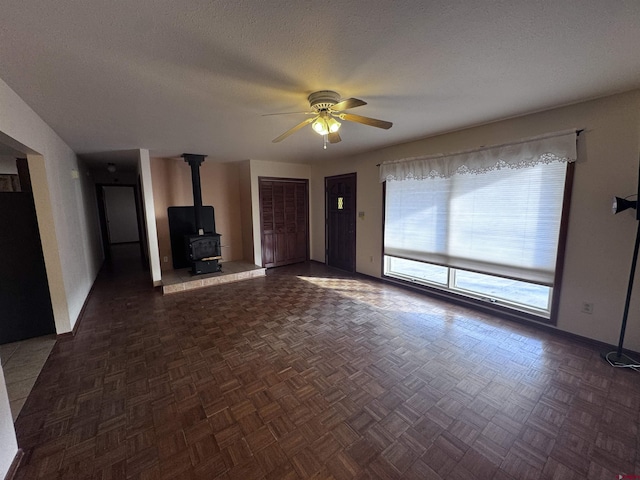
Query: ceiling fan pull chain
[324, 140]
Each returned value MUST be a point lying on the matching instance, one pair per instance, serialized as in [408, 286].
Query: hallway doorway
[120, 216]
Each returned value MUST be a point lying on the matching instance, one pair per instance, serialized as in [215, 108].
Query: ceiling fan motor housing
[323, 100]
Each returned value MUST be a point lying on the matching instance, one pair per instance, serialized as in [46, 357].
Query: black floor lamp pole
[619, 205]
[632, 275]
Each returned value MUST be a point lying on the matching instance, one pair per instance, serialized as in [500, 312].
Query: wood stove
[204, 253]
[202, 248]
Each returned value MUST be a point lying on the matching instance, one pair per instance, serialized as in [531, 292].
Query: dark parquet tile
[312, 373]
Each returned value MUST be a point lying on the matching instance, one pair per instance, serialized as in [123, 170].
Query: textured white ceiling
[197, 75]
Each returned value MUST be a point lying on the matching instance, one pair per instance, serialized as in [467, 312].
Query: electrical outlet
[165, 259]
[587, 308]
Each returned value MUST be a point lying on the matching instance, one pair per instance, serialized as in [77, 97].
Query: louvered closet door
[284, 221]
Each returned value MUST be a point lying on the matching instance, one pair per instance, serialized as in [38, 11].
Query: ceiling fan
[326, 107]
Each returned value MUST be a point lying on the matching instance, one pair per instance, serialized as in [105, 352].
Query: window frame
[507, 308]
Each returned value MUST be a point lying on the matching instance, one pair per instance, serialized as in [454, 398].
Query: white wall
[8, 165]
[270, 169]
[8, 443]
[60, 186]
[599, 245]
[120, 177]
[246, 211]
[68, 227]
[144, 169]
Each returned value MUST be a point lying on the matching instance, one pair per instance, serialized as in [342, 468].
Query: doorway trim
[104, 226]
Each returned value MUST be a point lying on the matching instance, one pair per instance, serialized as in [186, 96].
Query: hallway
[312, 373]
[22, 361]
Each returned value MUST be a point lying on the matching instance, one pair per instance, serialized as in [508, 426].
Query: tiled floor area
[21, 364]
[309, 373]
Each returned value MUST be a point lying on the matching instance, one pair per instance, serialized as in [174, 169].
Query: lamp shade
[320, 126]
[325, 124]
[622, 204]
[333, 124]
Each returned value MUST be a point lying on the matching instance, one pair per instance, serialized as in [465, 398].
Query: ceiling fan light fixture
[326, 108]
[320, 126]
[325, 124]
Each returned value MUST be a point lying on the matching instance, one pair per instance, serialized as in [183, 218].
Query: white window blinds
[498, 215]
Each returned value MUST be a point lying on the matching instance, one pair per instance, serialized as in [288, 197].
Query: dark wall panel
[25, 303]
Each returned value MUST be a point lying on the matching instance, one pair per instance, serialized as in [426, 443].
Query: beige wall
[599, 245]
[220, 188]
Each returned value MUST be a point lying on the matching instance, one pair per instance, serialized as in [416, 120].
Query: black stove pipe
[194, 162]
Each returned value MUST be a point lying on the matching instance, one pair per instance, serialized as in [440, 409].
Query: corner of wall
[50, 247]
[144, 167]
[246, 211]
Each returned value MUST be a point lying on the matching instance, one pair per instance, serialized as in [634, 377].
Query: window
[484, 224]
[524, 296]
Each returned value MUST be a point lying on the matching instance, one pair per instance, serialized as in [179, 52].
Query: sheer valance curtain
[494, 210]
[552, 147]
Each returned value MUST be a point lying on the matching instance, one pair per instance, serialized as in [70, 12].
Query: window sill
[499, 309]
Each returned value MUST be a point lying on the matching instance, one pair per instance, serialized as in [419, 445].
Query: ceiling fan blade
[373, 122]
[334, 137]
[288, 113]
[347, 104]
[293, 130]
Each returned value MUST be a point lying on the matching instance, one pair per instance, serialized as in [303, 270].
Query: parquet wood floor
[311, 373]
